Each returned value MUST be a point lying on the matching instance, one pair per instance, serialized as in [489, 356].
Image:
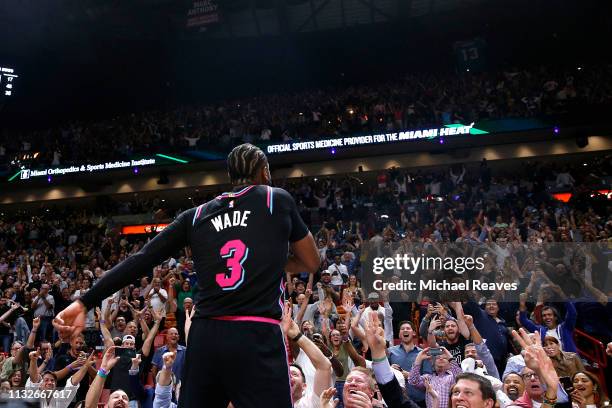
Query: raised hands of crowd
[35, 323]
[109, 359]
[188, 319]
[136, 362]
[357, 329]
[288, 325]
[347, 301]
[158, 315]
[327, 400]
[430, 390]
[325, 307]
[537, 359]
[375, 336]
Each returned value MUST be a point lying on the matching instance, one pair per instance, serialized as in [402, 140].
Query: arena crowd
[361, 347]
[415, 101]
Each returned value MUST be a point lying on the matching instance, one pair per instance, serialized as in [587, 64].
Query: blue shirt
[177, 367]
[405, 359]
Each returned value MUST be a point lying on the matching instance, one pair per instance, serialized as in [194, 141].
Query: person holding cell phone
[445, 369]
[119, 379]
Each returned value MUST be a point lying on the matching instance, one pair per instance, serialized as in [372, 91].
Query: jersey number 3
[236, 253]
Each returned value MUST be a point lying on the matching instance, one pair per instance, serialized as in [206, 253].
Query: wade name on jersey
[233, 219]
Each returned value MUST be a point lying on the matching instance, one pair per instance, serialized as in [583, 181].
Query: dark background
[93, 58]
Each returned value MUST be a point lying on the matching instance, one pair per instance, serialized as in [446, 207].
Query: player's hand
[71, 320]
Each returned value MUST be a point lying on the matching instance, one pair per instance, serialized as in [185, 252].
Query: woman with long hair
[342, 348]
[354, 287]
[587, 391]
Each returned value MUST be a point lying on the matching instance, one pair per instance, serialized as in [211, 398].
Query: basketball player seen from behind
[239, 243]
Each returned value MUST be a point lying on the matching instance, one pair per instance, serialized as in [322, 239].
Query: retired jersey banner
[202, 13]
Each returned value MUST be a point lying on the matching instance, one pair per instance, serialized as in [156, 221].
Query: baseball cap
[128, 337]
[373, 296]
[325, 272]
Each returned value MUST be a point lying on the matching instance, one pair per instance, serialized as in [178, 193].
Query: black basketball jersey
[239, 243]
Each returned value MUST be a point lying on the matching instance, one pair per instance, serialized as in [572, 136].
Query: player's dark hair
[301, 371]
[243, 162]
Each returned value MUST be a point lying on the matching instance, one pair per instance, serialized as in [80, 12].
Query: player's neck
[238, 187]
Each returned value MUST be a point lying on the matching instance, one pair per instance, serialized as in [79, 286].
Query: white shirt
[156, 302]
[308, 400]
[69, 392]
[336, 272]
[192, 140]
[41, 308]
[397, 373]
[309, 372]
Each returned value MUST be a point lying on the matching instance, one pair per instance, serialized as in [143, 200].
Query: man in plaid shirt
[441, 381]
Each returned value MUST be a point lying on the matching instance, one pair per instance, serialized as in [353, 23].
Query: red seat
[159, 340]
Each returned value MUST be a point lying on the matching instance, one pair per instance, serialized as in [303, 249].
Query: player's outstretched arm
[174, 237]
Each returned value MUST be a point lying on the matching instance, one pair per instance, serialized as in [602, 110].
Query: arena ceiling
[23, 20]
